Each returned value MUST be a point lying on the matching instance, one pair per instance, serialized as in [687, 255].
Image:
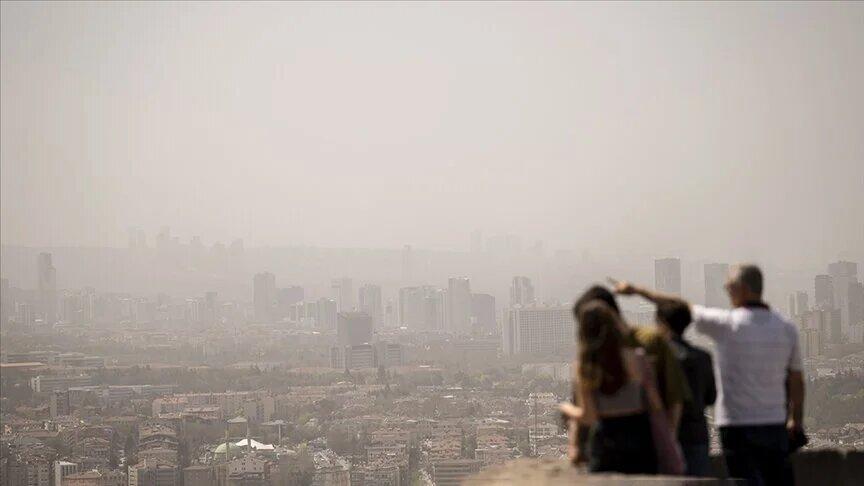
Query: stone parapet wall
[827, 467]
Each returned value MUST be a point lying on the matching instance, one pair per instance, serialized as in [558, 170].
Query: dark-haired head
[674, 315]
[600, 341]
[744, 285]
[596, 292]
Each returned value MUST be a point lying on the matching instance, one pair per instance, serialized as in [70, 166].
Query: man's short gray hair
[750, 277]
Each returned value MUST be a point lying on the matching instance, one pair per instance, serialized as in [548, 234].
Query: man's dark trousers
[757, 453]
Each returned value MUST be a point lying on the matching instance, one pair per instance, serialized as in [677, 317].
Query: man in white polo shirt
[760, 399]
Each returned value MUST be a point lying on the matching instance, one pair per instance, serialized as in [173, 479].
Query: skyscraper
[843, 275]
[353, 329]
[824, 292]
[326, 314]
[434, 308]
[715, 279]
[856, 312]
[521, 292]
[802, 304]
[47, 281]
[370, 302]
[538, 331]
[286, 297]
[422, 308]
[408, 270]
[391, 317]
[459, 305]
[411, 307]
[211, 307]
[483, 313]
[342, 290]
[5, 301]
[264, 296]
[667, 275]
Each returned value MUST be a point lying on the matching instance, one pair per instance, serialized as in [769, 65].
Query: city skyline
[430, 243]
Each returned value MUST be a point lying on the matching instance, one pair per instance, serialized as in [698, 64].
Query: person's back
[696, 365]
[760, 399]
[698, 368]
[755, 348]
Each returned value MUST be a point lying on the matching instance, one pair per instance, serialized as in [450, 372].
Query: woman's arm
[580, 422]
[655, 403]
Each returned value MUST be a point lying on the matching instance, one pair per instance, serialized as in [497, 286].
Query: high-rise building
[342, 290]
[826, 321]
[264, 296]
[422, 308]
[856, 312]
[354, 357]
[521, 292]
[667, 275]
[434, 308]
[802, 304]
[5, 301]
[47, 280]
[326, 313]
[193, 310]
[369, 301]
[58, 403]
[459, 305]
[408, 270]
[23, 314]
[715, 279]
[287, 297]
[824, 292]
[483, 313]
[391, 318]
[389, 354]
[353, 328]
[539, 331]
[843, 275]
[210, 311]
[798, 303]
[411, 307]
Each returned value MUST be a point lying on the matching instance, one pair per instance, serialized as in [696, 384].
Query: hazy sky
[688, 129]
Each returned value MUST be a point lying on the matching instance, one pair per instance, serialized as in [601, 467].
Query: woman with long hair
[610, 381]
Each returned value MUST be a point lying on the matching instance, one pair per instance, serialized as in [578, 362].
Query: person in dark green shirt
[671, 381]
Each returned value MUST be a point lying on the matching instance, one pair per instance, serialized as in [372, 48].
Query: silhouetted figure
[674, 318]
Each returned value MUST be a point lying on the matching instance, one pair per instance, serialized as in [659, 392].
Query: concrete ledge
[549, 472]
[812, 468]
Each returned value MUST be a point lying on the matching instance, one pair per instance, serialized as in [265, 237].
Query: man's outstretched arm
[622, 287]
